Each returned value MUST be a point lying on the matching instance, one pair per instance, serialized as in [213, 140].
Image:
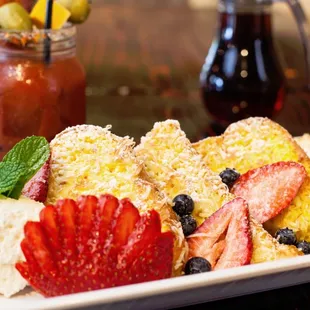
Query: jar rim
[37, 36]
[33, 43]
[67, 27]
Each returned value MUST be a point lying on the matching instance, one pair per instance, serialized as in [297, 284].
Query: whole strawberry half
[270, 189]
[92, 244]
[224, 239]
[36, 188]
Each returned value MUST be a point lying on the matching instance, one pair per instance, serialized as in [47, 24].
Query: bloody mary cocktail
[39, 98]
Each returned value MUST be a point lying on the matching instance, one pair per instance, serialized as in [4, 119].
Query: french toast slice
[266, 248]
[249, 144]
[304, 142]
[176, 168]
[90, 160]
[255, 142]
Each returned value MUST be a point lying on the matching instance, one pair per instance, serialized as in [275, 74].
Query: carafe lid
[232, 6]
[247, 2]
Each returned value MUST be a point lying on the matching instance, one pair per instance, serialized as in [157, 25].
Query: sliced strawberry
[204, 242]
[238, 242]
[67, 211]
[36, 188]
[34, 277]
[49, 221]
[37, 244]
[126, 220]
[85, 221]
[30, 270]
[270, 189]
[147, 229]
[224, 239]
[29, 256]
[215, 252]
[155, 257]
[93, 244]
[108, 205]
[23, 269]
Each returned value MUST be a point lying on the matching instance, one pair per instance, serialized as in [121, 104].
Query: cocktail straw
[47, 26]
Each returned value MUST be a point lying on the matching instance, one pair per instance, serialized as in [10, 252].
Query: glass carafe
[242, 75]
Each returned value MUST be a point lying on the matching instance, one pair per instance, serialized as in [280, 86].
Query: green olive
[79, 10]
[14, 17]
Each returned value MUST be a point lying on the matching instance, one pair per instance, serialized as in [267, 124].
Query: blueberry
[197, 265]
[183, 205]
[189, 224]
[304, 246]
[229, 176]
[286, 236]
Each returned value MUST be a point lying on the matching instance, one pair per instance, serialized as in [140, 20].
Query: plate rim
[157, 288]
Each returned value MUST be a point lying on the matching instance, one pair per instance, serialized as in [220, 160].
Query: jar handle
[304, 31]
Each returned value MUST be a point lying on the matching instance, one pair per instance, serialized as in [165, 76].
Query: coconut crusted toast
[255, 142]
[304, 142]
[91, 160]
[175, 167]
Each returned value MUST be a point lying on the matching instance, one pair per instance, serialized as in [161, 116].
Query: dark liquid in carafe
[242, 76]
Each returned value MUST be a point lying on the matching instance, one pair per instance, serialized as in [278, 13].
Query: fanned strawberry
[38, 244]
[224, 239]
[147, 267]
[36, 188]
[125, 223]
[92, 244]
[31, 270]
[108, 205]
[125, 219]
[270, 189]
[85, 221]
[148, 229]
[67, 213]
[49, 221]
[29, 255]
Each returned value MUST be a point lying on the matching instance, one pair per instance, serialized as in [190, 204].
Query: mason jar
[42, 84]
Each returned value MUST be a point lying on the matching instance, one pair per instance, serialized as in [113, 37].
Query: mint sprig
[21, 163]
[10, 174]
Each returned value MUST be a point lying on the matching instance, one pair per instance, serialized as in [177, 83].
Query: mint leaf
[18, 188]
[21, 163]
[33, 152]
[10, 175]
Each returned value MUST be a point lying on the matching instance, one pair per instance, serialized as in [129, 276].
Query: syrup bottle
[242, 75]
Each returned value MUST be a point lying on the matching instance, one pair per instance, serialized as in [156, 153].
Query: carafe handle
[304, 31]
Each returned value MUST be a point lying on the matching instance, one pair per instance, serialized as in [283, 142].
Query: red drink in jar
[37, 98]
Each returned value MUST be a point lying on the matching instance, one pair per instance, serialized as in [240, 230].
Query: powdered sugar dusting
[177, 168]
[90, 160]
[270, 189]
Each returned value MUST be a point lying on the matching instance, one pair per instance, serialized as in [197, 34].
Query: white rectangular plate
[176, 292]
